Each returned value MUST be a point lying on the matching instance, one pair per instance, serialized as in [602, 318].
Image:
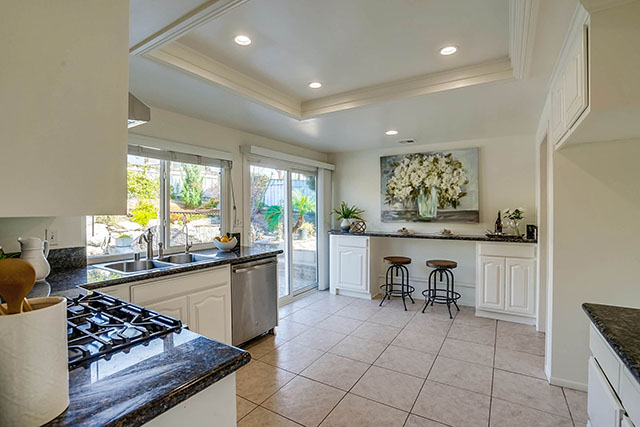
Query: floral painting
[430, 187]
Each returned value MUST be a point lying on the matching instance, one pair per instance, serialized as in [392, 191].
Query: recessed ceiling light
[315, 85]
[391, 132]
[243, 40]
[448, 50]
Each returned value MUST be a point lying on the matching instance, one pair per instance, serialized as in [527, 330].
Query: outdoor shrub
[212, 203]
[143, 212]
[192, 191]
[139, 185]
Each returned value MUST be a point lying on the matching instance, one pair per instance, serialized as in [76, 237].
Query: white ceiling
[501, 108]
[352, 44]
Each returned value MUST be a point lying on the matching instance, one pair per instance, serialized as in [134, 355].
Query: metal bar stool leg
[449, 295]
[453, 294]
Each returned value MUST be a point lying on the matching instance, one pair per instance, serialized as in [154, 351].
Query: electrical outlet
[52, 237]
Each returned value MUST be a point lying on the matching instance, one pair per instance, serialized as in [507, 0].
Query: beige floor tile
[431, 324]
[329, 306]
[319, 339]
[363, 302]
[511, 328]
[355, 411]
[577, 401]
[376, 332]
[389, 387]
[257, 381]
[304, 401]
[343, 325]
[416, 421]
[420, 341]
[263, 345]
[261, 417]
[288, 329]
[453, 406]
[523, 343]
[467, 351]
[286, 310]
[243, 407]
[307, 317]
[439, 310]
[396, 303]
[478, 335]
[292, 357]
[469, 318]
[336, 371]
[358, 349]
[405, 360]
[507, 414]
[359, 312]
[531, 392]
[520, 363]
[456, 373]
[392, 317]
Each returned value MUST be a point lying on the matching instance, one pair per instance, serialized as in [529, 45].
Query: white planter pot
[345, 225]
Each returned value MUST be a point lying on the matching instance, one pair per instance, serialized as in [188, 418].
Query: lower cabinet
[201, 300]
[505, 279]
[350, 266]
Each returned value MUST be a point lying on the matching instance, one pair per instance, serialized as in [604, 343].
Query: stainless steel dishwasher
[254, 299]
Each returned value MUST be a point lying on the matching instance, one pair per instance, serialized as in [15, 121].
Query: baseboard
[561, 382]
[506, 317]
[347, 293]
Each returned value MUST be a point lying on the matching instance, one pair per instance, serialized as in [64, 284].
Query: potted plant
[514, 217]
[123, 240]
[307, 229]
[346, 213]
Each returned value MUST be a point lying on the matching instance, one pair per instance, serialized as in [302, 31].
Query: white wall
[507, 179]
[596, 245]
[70, 231]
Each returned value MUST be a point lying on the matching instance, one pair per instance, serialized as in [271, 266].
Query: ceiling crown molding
[593, 6]
[197, 17]
[523, 15]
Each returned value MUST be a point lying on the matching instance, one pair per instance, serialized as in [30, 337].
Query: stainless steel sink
[136, 266]
[185, 258]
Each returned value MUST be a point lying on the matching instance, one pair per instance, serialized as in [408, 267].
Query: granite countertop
[131, 388]
[64, 282]
[620, 326]
[438, 236]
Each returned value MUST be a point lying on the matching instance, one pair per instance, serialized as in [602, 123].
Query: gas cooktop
[99, 325]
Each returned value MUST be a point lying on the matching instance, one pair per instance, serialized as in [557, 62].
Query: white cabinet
[520, 286]
[350, 267]
[118, 291]
[63, 108]
[569, 95]
[505, 281]
[492, 279]
[200, 299]
[603, 407]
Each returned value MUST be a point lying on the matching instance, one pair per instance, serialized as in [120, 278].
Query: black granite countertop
[438, 236]
[132, 388]
[620, 326]
[65, 282]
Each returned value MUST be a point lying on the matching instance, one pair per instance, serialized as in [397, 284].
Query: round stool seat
[441, 263]
[397, 259]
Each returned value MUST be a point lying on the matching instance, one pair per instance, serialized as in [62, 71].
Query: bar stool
[397, 268]
[441, 296]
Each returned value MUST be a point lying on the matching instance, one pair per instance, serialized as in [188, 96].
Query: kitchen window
[178, 196]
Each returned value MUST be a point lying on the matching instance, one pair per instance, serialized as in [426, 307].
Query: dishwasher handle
[253, 267]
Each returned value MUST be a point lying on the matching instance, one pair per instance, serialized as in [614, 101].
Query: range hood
[139, 112]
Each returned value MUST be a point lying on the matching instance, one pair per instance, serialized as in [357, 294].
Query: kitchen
[216, 215]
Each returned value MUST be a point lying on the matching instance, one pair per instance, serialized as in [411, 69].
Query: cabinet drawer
[607, 360]
[513, 250]
[630, 395]
[603, 407]
[353, 241]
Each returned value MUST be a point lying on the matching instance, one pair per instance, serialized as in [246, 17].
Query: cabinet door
[520, 286]
[491, 295]
[603, 407]
[557, 126]
[174, 307]
[352, 268]
[574, 80]
[210, 313]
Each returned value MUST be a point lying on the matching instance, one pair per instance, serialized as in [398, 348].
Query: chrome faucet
[187, 245]
[148, 238]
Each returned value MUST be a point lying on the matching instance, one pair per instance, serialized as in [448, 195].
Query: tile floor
[340, 361]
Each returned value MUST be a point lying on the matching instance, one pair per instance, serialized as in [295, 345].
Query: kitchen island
[180, 377]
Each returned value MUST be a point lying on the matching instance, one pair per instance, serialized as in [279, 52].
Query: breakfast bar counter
[438, 236]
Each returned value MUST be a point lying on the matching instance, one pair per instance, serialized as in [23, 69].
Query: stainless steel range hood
[139, 112]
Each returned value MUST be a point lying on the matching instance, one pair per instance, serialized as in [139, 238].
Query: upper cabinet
[594, 94]
[63, 107]
[569, 97]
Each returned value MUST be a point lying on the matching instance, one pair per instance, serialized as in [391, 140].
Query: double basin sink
[148, 265]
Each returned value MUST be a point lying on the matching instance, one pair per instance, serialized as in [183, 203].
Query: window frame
[163, 214]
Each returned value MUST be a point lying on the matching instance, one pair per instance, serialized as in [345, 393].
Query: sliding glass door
[283, 216]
